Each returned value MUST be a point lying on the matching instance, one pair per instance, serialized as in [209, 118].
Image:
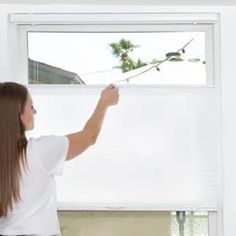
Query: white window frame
[120, 22]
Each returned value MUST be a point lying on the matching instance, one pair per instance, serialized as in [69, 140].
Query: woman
[27, 168]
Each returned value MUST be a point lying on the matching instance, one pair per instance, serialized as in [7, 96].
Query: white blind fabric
[158, 150]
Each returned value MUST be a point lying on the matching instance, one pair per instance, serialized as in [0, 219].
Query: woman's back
[36, 212]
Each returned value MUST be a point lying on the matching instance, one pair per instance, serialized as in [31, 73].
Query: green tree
[122, 49]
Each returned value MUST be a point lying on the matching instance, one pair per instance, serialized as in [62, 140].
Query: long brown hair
[13, 143]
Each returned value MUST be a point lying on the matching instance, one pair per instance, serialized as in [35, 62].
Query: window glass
[148, 58]
[119, 223]
[190, 223]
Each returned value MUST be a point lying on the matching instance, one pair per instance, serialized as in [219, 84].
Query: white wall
[123, 2]
[228, 39]
[9, 68]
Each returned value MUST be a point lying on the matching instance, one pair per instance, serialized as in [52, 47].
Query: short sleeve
[52, 151]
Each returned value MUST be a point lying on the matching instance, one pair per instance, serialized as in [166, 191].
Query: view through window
[191, 223]
[147, 58]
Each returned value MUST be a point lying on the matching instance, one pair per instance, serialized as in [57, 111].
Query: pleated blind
[158, 149]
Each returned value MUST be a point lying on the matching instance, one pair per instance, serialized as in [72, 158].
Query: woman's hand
[110, 95]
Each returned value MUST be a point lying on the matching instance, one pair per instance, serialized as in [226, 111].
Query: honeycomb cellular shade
[157, 150]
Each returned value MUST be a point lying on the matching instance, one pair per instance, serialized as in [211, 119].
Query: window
[119, 223]
[189, 224]
[164, 151]
[97, 49]
[149, 58]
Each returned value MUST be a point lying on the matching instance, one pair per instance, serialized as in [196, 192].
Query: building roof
[42, 73]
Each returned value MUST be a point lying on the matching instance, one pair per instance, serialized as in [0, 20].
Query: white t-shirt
[36, 213]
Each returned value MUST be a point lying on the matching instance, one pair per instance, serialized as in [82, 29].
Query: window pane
[131, 223]
[189, 224]
[149, 58]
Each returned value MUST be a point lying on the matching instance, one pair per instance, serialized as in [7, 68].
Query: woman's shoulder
[47, 141]
[44, 138]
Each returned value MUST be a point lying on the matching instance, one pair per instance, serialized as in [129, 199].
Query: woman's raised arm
[80, 141]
